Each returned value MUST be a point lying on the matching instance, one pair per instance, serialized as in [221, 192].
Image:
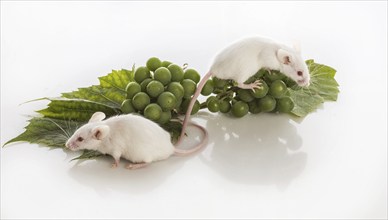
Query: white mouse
[244, 58]
[133, 137]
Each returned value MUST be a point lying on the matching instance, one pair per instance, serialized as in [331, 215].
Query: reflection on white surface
[257, 149]
[102, 179]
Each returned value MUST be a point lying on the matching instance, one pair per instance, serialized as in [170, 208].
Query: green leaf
[88, 154]
[107, 96]
[304, 102]
[323, 87]
[323, 82]
[117, 79]
[47, 131]
[75, 109]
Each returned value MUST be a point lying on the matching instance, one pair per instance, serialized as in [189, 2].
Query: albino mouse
[244, 58]
[132, 137]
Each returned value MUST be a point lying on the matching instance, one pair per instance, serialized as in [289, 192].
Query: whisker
[59, 127]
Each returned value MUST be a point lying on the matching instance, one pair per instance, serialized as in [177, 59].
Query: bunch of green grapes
[272, 96]
[161, 89]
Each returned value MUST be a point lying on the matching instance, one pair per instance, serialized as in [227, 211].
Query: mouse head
[91, 135]
[293, 66]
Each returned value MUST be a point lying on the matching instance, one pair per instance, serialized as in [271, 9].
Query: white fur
[244, 58]
[128, 136]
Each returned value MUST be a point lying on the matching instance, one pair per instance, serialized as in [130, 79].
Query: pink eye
[300, 73]
[80, 139]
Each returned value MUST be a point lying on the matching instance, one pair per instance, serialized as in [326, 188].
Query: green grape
[153, 112]
[140, 101]
[164, 117]
[208, 88]
[177, 89]
[213, 105]
[166, 63]
[176, 72]
[278, 89]
[284, 105]
[154, 88]
[163, 75]
[245, 95]
[127, 107]
[132, 88]
[219, 83]
[267, 103]
[254, 107]
[274, 75]
[260, 92]
[185, 105]
[240, 109]
[144, 84]
[141, 74]
[192, 74]
[153, 63]
[189, 86]
[225, 106]
[167, 101]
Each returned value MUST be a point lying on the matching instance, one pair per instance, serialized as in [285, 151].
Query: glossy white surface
[331, 164]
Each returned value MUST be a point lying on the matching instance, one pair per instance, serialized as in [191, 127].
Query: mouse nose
[69, 144]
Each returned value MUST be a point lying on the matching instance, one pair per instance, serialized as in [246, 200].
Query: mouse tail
[199, 146]
[191, 105]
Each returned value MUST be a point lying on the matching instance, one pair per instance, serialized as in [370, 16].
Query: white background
[331, 164]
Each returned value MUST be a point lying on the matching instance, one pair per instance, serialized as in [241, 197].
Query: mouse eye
[80, 139]
[300, 73]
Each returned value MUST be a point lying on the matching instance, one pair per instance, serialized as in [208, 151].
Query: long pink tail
[181, 152]
[191, 105]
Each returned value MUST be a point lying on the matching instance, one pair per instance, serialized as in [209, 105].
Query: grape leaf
[117, 79]
[75, 109]
[88, 154]
[106, 96]
[323, 87]
[47, 131]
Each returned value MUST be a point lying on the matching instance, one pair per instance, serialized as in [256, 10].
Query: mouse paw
[134, 166]
[115, 164]
[255, 85]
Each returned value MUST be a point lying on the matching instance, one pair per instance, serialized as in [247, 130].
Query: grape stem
[227, 94]
[185, 65]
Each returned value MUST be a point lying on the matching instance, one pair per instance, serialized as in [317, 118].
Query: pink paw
[255, 85]
[134, 166]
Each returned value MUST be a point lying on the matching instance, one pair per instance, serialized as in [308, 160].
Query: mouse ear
[284, 57]
[98, 116]
[100, 132]
[297, 47]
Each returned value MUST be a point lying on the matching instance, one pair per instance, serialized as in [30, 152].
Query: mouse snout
[70, 145]
[305, 82]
